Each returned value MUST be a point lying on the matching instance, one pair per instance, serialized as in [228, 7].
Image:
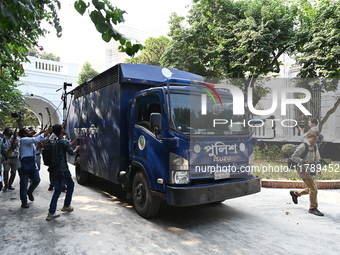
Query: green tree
[233, 39]
[86, 73]
[43, 55]
[318, 48]
[11, 98]
[152, 52]
[33, 53]
[20, 30]
[28, 119]
[20, 27]
[188, 50]
[49, 56]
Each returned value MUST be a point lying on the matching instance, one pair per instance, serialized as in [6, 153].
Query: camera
[17, 114]
[298, 126]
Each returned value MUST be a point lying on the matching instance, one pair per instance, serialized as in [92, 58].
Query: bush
[257, 153]
[286, 148]
[271, 152]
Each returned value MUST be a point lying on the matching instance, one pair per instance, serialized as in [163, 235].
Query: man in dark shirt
[61, 174]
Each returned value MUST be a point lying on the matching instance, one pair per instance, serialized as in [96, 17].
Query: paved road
[103, 222]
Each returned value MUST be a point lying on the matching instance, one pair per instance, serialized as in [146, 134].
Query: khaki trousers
[10, 167]
[312, 189]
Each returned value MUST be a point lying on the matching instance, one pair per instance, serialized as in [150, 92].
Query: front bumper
[209, 193]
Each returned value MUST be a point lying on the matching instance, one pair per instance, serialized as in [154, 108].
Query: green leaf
[128, 44]
[80, 6]
[136, 48]
[122, 41]
[98, 5]
[107, 35]
[97, 20]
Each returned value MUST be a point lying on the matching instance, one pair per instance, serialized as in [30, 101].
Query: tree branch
[329, 113]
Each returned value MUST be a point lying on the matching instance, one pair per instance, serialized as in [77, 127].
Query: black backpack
[50, 153]
[290, 162]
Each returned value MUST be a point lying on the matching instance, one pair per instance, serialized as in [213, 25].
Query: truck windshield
[187, 117]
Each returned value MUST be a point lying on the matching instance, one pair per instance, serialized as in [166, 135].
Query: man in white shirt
[28, 148]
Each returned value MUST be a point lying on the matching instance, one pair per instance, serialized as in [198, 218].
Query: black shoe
[294, 197]
[5, 188]
[316, 212]
[50, 187]
[30, 197]
[63, 189]
[25, 206]
[11, 188]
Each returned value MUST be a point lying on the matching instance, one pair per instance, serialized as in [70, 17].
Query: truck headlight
[179, 169]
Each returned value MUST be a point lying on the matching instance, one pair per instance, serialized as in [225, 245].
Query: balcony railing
[46, 65]
[40, 65]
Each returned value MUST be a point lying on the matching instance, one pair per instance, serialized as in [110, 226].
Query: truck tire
[81, 175]
[145, 204]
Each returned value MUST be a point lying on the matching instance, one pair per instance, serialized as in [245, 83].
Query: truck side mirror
[156, 122]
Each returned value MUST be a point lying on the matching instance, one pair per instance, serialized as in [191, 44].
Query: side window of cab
[145, 106]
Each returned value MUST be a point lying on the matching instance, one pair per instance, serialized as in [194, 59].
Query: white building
[110, 54]
[285, 134]
[42, 87]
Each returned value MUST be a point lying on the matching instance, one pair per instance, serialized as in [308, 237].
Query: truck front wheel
[145, 204]
[81, 175]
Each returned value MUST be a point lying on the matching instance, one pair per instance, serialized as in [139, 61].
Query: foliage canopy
[318, 49]
[43, 55]
[10, 97]
[86, 73]
[153, 50]
[233, 39]
[20, 27]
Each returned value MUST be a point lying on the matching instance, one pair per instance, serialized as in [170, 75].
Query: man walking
[61, 174]
[307, 171]
[10, 164]
[5, 152]
[313, 124]
[28, 148]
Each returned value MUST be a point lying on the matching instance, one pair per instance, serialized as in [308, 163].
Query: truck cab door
[145, 146]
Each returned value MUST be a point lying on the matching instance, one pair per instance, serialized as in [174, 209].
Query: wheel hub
[140, 193]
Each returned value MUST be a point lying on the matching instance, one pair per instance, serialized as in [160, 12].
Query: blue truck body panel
[100, 115]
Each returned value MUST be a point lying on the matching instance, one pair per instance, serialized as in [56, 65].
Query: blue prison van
[152, 130]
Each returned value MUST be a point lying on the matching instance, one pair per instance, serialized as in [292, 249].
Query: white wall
[40, 83]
